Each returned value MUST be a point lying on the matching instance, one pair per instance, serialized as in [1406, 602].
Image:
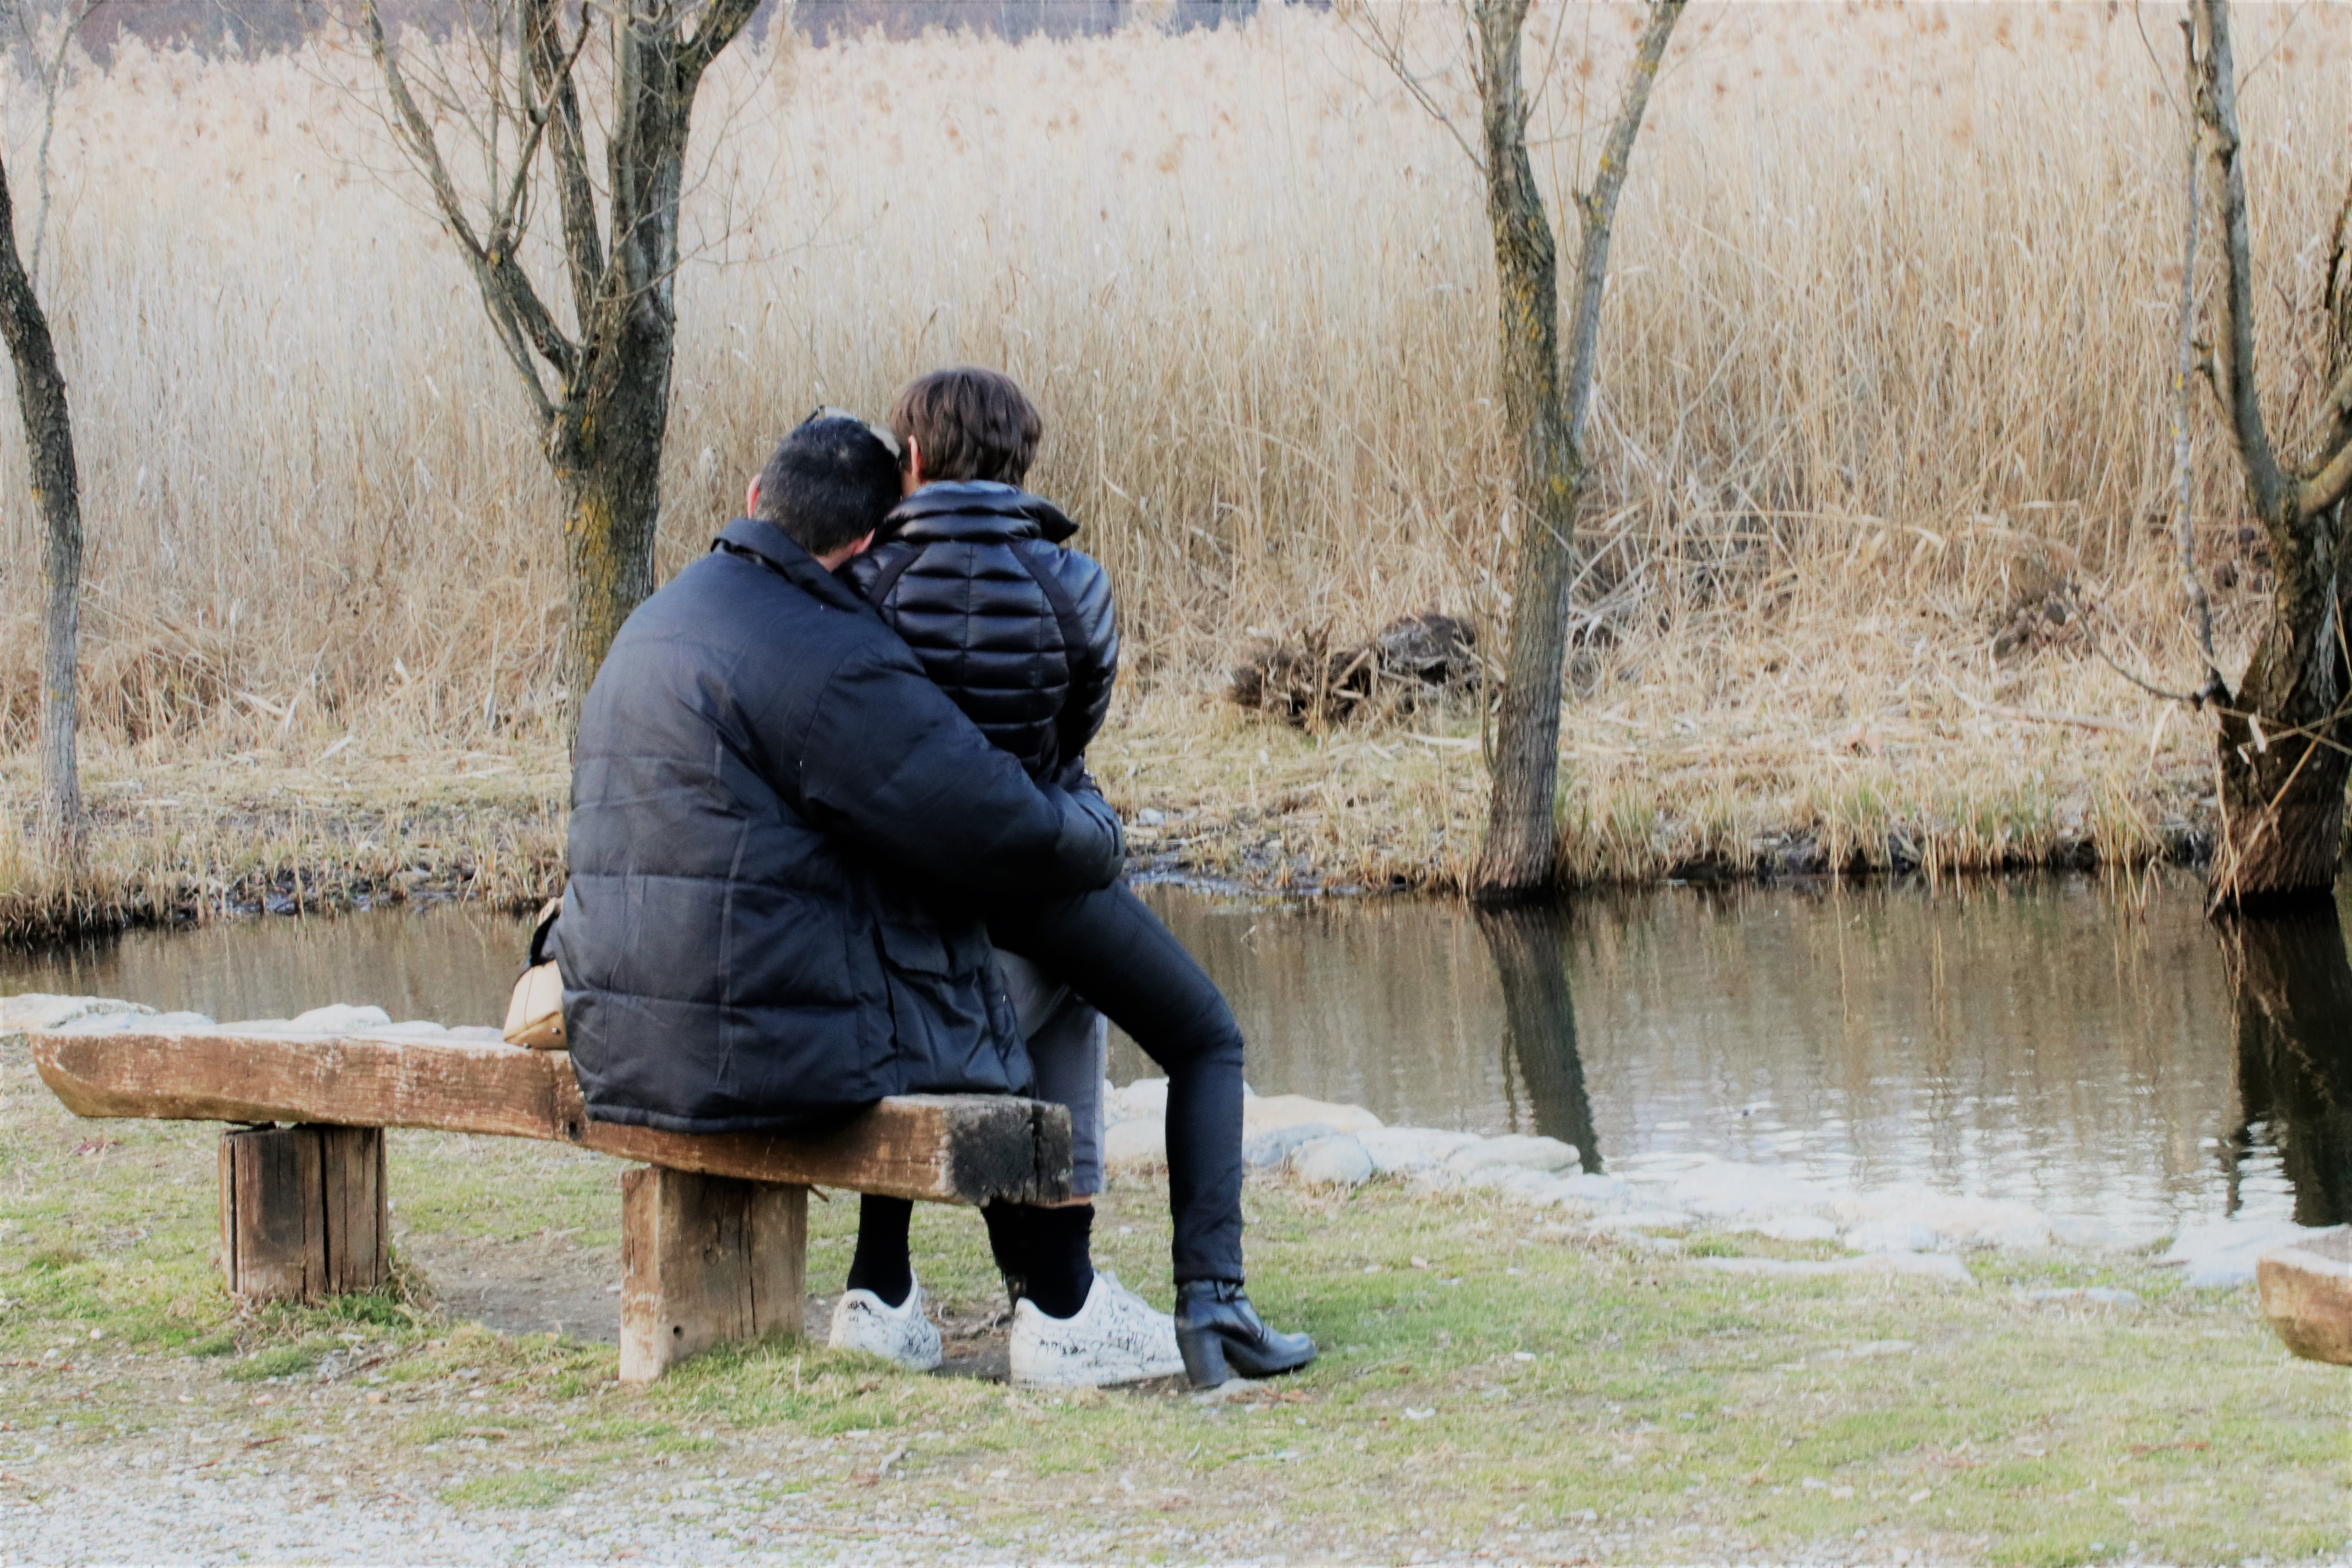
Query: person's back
[770, 799]
[976, 575]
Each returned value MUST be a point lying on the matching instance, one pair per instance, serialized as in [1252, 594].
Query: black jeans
[1114, 952]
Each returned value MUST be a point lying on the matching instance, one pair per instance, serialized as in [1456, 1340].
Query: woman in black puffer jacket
[1018, 630]
[975, 574]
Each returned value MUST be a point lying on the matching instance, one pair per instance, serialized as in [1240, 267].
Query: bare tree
[57, 491]
[598, 387]
[2286, 732]
[1545, 400]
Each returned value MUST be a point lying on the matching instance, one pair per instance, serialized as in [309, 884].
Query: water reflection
[2038, 1039]
[2294, 985]
[453, 963]
[2118, 1063]
[1529, 949]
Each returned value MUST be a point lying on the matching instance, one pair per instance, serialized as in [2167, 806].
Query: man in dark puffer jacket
[771, 799]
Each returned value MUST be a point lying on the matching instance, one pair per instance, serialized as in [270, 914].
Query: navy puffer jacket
[775, 814]
[1017, 630]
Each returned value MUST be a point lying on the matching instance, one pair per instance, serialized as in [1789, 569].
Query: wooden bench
[714, 1228]
[2306, 1294]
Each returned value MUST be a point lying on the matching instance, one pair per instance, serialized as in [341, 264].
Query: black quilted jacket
[1017, 630]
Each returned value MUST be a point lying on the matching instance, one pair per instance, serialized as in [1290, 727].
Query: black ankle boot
[1221, 1336]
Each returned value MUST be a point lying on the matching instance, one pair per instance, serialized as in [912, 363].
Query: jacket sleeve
[1093, 663]
[890, 763]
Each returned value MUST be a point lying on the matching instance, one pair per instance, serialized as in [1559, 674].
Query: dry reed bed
[1885, 365]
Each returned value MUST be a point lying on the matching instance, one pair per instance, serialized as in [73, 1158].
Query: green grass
[280, 1360]
[1515, 1380]
[527, 1489]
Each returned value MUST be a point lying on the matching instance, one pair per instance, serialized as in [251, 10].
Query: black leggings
[1114, 952]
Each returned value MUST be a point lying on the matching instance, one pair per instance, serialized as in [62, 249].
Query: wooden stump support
[303, 1211]
[706, 1261]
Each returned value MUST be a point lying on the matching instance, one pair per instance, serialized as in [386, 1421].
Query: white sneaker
[1115, 1338]
[863, 1321]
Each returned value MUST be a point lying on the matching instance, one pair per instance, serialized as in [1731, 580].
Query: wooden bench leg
[706, 1259]
[302, 1212]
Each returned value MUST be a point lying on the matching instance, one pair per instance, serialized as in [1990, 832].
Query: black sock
[1051, 1245]
[881, 1263]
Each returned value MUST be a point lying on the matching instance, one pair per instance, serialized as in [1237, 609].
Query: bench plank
[961, 1149]
[2306, 1294]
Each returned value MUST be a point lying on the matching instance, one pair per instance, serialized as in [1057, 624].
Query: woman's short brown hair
[971, 424]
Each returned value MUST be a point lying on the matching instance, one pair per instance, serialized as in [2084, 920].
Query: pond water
[2109, 1057]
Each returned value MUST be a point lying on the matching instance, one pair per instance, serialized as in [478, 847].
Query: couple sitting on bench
[833, 838]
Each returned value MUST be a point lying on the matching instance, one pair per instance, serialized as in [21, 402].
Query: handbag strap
[540, 931]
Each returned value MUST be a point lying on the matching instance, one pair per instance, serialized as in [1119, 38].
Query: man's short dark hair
[971, 424]
[830, 484]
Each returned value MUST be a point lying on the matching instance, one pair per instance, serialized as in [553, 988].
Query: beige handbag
[535, 1016]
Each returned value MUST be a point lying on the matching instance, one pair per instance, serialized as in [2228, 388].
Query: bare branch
[1598, 209]
[558, 96]
[2193, 698]
[722, 21]
[53, 80]
[2333, 417]
[2216, 107]
[2329, 486]
[1389, 49]
[521, 320]
[2184, 369]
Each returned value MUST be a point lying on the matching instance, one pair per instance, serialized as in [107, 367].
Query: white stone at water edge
[1545, 1154]
[2224, 1252]
[1135, 1146]
[39, 1010]
[1894, 1235]
[1334, 1162]
[1145, 1099]
[1268, 1113]
[341, 1019]
[1403, 1150]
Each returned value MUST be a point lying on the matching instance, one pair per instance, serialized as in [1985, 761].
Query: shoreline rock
[1903, 1228]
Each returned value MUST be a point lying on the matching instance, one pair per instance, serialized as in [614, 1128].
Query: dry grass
[1885, 367]
[190, 838]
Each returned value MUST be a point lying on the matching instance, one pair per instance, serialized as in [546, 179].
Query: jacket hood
[975, 511]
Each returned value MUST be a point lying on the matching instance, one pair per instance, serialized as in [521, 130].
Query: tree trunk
[1539, 1018]
[48, 440]
[609, 465]
[609, 455]
[1522, 826]
[2281, 756]
[2294, 985]
[1544, 415]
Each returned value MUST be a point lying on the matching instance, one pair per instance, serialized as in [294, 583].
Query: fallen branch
[2044, 716]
